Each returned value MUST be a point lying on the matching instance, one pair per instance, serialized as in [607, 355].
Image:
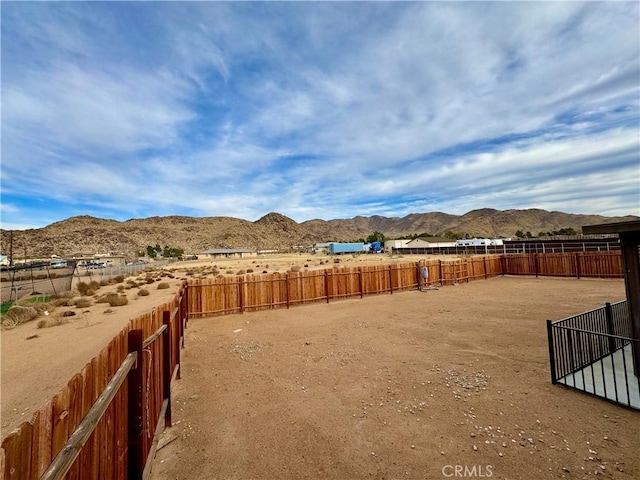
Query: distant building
[228, 253]
[4, 260]
[389, 245]
[431, 242]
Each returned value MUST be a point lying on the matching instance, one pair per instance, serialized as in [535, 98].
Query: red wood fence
[118, 440]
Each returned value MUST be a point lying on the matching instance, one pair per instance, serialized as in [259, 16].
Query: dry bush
[229, 272]
[83, 287]
[163, 286]
[249, 270]
[104, 283]
[18, 315]
[119, 279]
[131, 281]
[83, 302]
[149, 280]
[53, 321]
[69, 313]
[120, 288]
[295, 268]
[113, 299]
[143, 292]
[264, 271]
[90, 292]
[62, 302]
[241, 272]
[189, 273]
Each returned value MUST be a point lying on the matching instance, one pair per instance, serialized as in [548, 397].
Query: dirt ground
[36, 363]
[446, 383]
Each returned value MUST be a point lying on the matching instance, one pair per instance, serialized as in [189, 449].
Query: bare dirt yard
[446, 383]
[36, 363]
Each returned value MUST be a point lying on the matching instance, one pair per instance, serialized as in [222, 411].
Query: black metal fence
[593, 352]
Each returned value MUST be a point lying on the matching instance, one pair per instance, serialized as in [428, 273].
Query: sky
[326, 110]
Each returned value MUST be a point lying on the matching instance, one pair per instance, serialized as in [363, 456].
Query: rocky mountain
[90, 235]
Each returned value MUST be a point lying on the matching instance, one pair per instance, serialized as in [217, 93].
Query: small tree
[151, 252]
[375, 237]
[519, 234]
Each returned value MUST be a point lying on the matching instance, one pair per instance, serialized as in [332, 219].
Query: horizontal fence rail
[592, 352]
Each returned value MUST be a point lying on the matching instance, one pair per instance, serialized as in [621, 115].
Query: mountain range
[90, 235]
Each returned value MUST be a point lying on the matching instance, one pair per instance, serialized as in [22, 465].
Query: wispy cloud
[318, 109]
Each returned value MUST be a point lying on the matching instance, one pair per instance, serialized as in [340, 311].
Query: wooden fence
[221, 296]
[104, 423]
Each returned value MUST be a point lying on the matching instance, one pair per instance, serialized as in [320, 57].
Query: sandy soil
[440, 384]
[36, 363]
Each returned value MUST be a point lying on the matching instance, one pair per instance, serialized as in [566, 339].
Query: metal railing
[593, 352]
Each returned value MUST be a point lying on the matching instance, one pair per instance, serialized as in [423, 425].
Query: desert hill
[90, 235]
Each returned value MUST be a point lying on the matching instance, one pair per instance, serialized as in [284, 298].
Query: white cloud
[321, 110]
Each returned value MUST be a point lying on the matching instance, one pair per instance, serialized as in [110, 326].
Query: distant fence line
[225, 295]
[123, 436]
[521, 247]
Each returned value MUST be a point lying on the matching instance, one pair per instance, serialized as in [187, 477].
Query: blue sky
[317, 110]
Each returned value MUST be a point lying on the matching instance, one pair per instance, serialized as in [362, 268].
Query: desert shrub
[229, 272]
[108, 310]
[336, 260]
[18, 315]
[69, 313]
[189, 273]
[171, 275]
[215, 272]
[83, 287]
[83, 302]
[113, 299]
[94, 285]
[120, 288]
[131, 281]
[62, 302]
[149, 280]
[241, 272]
[104, 283]
[295, 268]
[266, 266]
[264, 271]
[53, 321]
[163, 286]
[306, 265]
[119, 279]
[249, 270]
[90, 293]
[143, 292]
[321, 262]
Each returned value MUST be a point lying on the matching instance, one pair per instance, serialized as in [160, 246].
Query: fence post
[484, 263]
[418, 276]
[286, 287]
[535, 262]
[135, 455]
[577, 262]
[441, 274]
[326, 284]
[610, 330]
[166, 366]
[240, 294]
[552, 358]
[390, 281]
[360, 281]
